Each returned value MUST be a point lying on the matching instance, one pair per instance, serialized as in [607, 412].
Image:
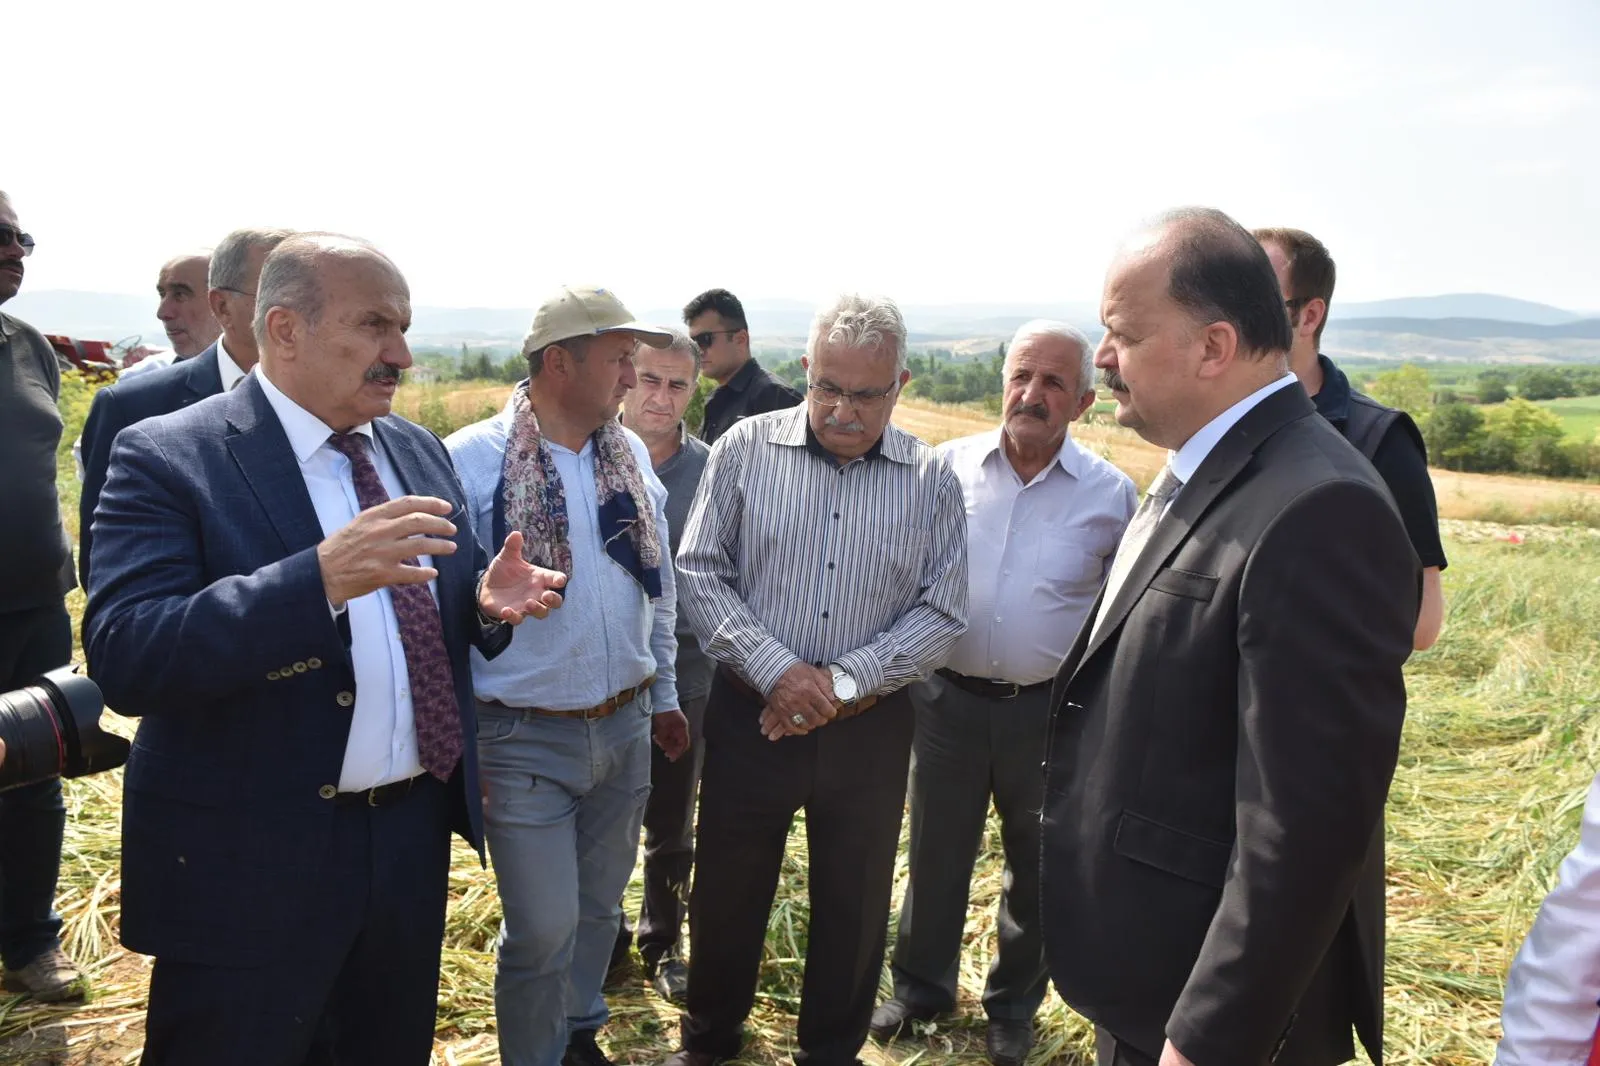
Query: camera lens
[31, 728]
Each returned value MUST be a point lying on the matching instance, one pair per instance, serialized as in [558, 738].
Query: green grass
[1500, 744]
[1580, 415]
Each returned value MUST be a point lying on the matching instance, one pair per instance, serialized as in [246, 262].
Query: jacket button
[314, 662]
[327, 792]
[273, 675]
[300, 668]
[345, 699]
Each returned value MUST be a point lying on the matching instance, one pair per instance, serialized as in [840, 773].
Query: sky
[972, 153]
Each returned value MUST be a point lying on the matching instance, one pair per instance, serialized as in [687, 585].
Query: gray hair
[6, 200]
[682, 342]
[857, 321]
[291, 278]
[1049, 327]
[230, 260]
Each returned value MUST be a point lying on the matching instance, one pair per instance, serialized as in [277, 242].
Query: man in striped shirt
[824, 568]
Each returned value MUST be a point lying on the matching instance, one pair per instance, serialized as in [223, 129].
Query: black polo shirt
[751, 391]
[1398, 460]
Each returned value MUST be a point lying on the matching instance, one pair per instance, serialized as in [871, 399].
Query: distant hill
[1465, 327]
[1473, 305]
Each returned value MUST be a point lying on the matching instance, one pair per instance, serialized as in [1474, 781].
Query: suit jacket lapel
[204, 378]
[1194, 499]
[419, 476]
[261, 448]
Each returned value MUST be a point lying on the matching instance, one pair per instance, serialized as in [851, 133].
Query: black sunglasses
[11, 234]
[704, 339]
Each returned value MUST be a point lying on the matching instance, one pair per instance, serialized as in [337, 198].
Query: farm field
[1500, 745]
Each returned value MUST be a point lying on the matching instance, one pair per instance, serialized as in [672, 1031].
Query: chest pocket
[1185, 583]
[1072, 558]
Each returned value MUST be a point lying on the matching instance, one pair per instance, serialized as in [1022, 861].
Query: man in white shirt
[184, 311]
[235, 270]
[1043, 516]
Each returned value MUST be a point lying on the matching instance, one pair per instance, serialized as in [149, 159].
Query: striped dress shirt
[789, 556]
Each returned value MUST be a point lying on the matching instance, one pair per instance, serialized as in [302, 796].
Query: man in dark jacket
[716, 322]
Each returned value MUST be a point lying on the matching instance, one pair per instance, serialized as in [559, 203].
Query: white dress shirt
[382, 747]
[227, 369]
[148, 363]
[1550, 1011]
[1036, 554]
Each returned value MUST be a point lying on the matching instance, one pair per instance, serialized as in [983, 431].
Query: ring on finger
[797, 719]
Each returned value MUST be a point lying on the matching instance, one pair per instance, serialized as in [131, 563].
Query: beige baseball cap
[586, 311]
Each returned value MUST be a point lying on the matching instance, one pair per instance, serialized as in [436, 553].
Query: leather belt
[745, 688]
[988, 687]
[599, 710]
[382, 796]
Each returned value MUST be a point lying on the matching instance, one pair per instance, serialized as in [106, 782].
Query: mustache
[1112, 380]
[14, 261]
[832, 421]
[382, 372]
[1031, 410]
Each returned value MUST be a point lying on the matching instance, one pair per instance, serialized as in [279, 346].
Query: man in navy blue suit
[235, 272]
[285, 586]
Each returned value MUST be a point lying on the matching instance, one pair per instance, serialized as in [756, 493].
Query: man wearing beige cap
[565, 719]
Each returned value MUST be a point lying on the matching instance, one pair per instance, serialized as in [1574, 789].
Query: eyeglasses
[866, 401]
[1297, 303]
[229, 288]
[11, 234]
[705, 339]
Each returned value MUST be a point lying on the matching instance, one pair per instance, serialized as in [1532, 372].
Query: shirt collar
[744, 376]
[306, 432]
[1069, 457]
[8, 325]
[792, 428]
[1187, 459]
[226, 367]
[1333, 399]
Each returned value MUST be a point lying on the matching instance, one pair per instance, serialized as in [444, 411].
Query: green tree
[1454, 435]
[1494, 386]
[1542, 383]
[1407, 388]
[1521, 435]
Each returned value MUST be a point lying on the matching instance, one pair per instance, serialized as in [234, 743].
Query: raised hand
[513, 588]
[370, 552]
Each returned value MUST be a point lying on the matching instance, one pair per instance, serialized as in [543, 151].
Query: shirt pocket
[1071, 558]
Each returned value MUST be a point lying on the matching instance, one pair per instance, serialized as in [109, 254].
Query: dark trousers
[967, 749]
[849, 777]
[358, 986]
[669, 841]
[32, 817]
[1109, 1051]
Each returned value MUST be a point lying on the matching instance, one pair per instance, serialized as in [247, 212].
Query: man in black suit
[235, 270]
[285, 588]
[1226, 725]
[716, 322]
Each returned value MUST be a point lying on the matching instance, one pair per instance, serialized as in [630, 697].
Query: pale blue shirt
[382, 746]
[607, 635]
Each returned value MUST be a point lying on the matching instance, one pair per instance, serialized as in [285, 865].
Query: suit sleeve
[158, 638]
[1551, 1010]
[99, 430]
[1327, 603]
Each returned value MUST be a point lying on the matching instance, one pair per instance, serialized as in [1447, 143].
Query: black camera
[52, 727]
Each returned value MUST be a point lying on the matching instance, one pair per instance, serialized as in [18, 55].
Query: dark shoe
[693, 1058]
[1009, 1042]
[671, 981]
[583, 1051]
[893, 1019]
[50, 978]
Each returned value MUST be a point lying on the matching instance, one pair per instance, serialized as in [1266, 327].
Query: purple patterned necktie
[434, 710]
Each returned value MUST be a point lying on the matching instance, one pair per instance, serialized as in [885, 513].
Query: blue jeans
[565, 799]
[32, 817]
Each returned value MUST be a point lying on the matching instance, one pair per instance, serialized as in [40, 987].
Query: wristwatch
[845, 689]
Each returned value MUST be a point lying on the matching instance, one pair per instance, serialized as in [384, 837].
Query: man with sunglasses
[1388, 438]
[235, 268]
[717, 324]
[824, 569]
[35, 631]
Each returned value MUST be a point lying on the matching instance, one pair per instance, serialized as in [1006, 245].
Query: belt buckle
[372, 795]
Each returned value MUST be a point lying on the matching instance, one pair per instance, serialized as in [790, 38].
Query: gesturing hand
[514, 588]
[368, 554]
[671, 730]
[801, 693]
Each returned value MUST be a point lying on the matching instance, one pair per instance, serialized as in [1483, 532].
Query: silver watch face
[844, 686]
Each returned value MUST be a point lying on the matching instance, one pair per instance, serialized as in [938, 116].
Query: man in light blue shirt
[566, 715]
